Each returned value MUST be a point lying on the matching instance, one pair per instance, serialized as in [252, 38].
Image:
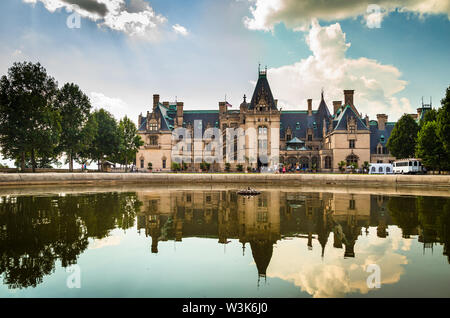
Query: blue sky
[198, 51]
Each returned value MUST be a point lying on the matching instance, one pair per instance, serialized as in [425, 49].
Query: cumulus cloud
[375, 84]
[115, 106]
[135, 18]
[298, 13]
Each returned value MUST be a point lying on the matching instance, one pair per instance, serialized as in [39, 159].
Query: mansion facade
[312, 139]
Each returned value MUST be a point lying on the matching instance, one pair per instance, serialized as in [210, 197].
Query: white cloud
[298, 14]
[375, 84]
[180, 29]
[115, 106]
[135, 18]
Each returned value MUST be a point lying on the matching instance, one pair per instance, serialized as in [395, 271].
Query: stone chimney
[382, 119]
[223, 107]
[348, 97]
[419, 112]
[166, 104]
[336, 105]
[367, 121]
[309, 107]
[139, 120]
[180, 106]
[155, 101]
[276, 102]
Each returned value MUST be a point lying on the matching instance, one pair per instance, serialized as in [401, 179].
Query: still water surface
[213, 243]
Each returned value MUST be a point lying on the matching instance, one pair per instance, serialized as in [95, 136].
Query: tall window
[235, 148]
[351, 204]
[310, 137]
[288, 137]
[327, 162]
[164, 163]
[153, 140]
[142, 163]
[351, 143]
[262, 130]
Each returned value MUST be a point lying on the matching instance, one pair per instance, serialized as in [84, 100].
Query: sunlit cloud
[265, 14]
[328, 67]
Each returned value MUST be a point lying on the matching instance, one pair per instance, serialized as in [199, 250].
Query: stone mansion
[311, 139]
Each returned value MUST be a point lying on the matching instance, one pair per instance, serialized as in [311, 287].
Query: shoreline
[162, 179]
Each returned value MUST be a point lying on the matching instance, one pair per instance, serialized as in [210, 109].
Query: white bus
[407, 166]
[381, 168]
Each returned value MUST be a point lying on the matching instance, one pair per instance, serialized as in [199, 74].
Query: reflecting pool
[213, 243]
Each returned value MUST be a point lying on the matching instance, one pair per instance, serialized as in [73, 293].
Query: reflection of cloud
[107, 241]
[335, 276]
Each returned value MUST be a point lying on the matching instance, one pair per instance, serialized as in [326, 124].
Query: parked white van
[381, 168]
[407, 166]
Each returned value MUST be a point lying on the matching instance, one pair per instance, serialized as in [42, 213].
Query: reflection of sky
[334, 276]
[122, 265]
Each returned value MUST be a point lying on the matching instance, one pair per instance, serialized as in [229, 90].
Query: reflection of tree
[37, 231]
[429, 214]
[403, 212]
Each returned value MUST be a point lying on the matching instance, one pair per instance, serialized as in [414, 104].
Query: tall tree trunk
[70, 161]
[33, 161]
[22, 162]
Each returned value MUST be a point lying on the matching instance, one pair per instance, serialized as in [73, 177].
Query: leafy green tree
[402, 142]
[443, 120]
[176, 166]
[106, 141]
[430, 115]
[430, 148]
[129, 141]
[29, 120]
[74, 107]
[342, 165]
[88, 133]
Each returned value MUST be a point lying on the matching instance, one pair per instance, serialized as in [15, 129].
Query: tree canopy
[30, 124]
[402, 142]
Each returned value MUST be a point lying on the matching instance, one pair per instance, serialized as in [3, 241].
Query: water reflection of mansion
[261, 221]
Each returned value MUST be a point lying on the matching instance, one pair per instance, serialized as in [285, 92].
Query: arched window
[380, 169]
[352, 159]
[315, 163]
[388, 169]
[373, 169]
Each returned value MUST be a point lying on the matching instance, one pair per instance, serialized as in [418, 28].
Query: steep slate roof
[206, 116]
[262, 90]
[315, 121]
[340, 122]
[143, 125]
[375, 135]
